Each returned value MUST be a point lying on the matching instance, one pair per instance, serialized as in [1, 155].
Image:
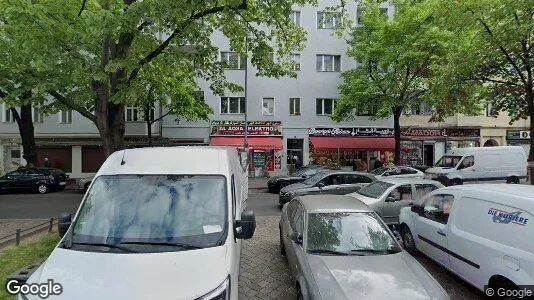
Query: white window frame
[294, 101]
[295, 57]
[336, 20]
[134, 112]
[295, 17]
[241, 110]
[323, 64]
[225, 57]
[37, 116]
[7, 115]
[69, 116]
[334, 100]
[263, 109]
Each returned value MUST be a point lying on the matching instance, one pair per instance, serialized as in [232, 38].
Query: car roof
[330, 171]
[332, 203]
[169, 160]
[407, 180]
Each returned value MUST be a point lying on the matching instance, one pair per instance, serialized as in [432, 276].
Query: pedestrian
[46, 162]
[298, 164]
[377, 164]
[363, 166]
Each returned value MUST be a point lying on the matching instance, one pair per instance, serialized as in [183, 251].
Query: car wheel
[282, 248]
[42, 188]
[513, 180]
[299, 294]
[407, 239]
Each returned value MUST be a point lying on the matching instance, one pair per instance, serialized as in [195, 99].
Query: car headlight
[222, 292]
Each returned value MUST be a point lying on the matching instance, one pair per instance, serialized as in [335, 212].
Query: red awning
[358, 143]
[255, 143]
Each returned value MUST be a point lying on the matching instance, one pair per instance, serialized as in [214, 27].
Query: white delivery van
[155, 223]
[480, 164]
[483, 233]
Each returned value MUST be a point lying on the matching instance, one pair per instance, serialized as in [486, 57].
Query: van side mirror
[63, 224]
[296, 237]
[244, 228]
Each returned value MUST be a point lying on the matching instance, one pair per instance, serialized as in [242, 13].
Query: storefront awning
[254, 143]
[357, 143]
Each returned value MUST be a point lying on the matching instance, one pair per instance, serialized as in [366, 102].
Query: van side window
[438, 207]
[467, 162]
[233, 198]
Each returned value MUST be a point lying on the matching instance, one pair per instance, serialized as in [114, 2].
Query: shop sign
[351, 131]
[518, 135]
[255, 128]
[444, 132]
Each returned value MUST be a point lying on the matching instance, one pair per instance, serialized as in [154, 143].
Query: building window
[37, 116]
[294, 106]
[8, 114]
[324, 106]
[328, 20]
[234, 61]
[233, 105]
[295, 17]
[132, 114]
[268, 106]
[359, 14]
[328, 63]
[384, 11]
[65, 116]
[296, 61]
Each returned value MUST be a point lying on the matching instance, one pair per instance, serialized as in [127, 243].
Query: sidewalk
[257, 183]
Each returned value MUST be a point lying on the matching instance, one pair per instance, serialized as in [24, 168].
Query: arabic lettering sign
[351, 131]
[504, 217]
[440, 132]
[255, 128]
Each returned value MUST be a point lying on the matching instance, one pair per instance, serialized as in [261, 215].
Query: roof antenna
[122, 159]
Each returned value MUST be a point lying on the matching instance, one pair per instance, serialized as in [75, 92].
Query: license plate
[62, 183]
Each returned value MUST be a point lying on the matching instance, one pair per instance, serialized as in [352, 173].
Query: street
[264, 272]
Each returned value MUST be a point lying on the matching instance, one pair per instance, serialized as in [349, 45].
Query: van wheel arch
[457, 181]
[499, 281]
[513, 179]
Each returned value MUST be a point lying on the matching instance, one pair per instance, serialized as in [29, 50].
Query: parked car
[40, 180]
[278, 182]
[421, 168]
[483, 233]
[388, 195]
[180, 216]
[84, 183]
[326, 182]
[401, 171]
[338, 248]
[481, 164]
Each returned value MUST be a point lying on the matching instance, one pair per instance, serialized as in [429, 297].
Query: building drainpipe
[245, 135]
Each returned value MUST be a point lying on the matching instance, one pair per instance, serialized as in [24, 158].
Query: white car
[84, 183]
[400, 171]
[156, 223]
[483, 233]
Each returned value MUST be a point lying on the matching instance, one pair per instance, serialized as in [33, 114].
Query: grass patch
[18, 257]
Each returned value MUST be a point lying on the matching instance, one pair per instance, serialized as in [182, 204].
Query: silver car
[338, 248]
[388, 196]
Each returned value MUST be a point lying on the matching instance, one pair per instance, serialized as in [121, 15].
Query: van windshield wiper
[125, 249]
[181, 245]
[332, 252]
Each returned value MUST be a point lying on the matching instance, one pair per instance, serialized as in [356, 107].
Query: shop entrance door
[428, 155]
[294, 148]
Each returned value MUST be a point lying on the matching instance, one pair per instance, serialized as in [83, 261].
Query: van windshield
[144, 212]
[448, 161]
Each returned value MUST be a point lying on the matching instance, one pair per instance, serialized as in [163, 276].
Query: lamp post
[245, 141]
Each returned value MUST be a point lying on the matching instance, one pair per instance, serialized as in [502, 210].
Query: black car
[278, 182]
[40, 180]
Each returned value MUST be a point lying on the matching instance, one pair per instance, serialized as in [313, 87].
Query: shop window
[328, 63]
[328, 20]
[234, 60]
[294, 106]
[233, 105]
[268, 106]
[324, 106]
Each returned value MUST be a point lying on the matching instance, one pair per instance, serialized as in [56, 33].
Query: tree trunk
[148, 126]
[530, 99]
[397, 111]
[27, 134]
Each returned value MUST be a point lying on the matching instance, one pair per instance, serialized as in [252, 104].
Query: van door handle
[441, 233]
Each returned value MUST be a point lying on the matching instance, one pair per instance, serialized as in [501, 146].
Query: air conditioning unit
[524, 134]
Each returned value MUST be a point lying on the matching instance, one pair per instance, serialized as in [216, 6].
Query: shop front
[346, 146]
[519, 138]
[264, 138]
[425, 146]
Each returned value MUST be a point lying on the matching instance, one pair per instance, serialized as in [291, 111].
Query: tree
[395, 59]
[496, 54]
[95, 54]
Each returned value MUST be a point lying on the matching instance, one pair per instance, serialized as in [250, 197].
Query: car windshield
[375, 189]
[379, 171]
[448, 161]
[349, 233]
[137, 209]
[315, 178]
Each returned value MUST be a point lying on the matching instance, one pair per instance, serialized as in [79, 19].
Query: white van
[480, 164]
[156, 223]
[483, 233]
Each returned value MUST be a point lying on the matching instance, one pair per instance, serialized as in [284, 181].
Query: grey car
[326, 182]
[388, 195]
[338, 248]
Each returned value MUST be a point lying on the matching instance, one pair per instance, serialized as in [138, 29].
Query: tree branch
[161, 47]
[70, 104]
[82, 8]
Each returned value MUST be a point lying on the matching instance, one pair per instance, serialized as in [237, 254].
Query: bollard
[50, 225]
[18, 237]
